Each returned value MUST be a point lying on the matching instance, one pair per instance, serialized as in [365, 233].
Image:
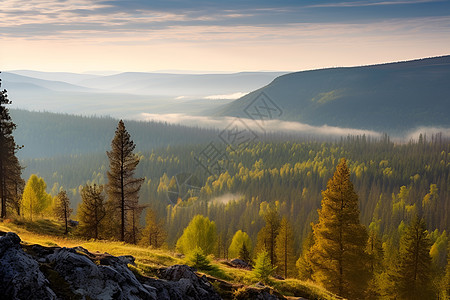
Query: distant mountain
[390, 97]
[127, 95]
[188, 85]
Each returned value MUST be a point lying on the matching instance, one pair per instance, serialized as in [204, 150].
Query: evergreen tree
[199, 260]
[285, 248]
[153, 234]
[303, 264]
[123, 188]
[338, 259]
[91, 211]
[244, 254]
[375, 251]
[412, 277]
[266, 238]
[10, 169]
[35, 198]
[62, 208]
[263, 267]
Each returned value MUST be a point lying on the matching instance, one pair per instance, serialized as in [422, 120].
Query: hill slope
[391, 97]
[47, 134]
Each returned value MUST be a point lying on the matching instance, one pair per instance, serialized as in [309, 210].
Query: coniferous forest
[363, 217]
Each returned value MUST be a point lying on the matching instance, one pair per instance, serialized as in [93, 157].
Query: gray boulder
[180, 282]
[20, 276]
[38, 272]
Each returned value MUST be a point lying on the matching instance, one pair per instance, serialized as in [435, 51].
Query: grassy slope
[50, 233]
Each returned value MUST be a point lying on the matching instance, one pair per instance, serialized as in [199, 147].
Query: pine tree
[285, 248]
[244, 254]
[123, 188]
[263, 267]
[153, 234]
[266, 238]
[11, 182]
[303, 264]
[338, 259]
[91, 211]
[412, 277]
[62, 208]
[375, 251]
[199, 260]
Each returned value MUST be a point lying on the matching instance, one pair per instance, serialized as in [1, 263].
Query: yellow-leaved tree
[200, 233]
[35, 198]
[240, 241]
[338, 258]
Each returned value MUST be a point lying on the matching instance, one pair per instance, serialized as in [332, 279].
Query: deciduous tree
[239, 239]
[35, 198]
[200, 233]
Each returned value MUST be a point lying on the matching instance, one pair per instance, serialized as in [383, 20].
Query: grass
[148, 261]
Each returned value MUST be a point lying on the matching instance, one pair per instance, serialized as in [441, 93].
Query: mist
[270, 126]
[226, 198]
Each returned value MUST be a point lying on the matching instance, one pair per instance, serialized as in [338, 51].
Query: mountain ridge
[368, 97]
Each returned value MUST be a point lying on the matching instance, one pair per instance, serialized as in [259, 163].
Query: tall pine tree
[11, 182]
[338, 259]
[412, 277]
[266, 238]
[123, 188]
[284, 248]
[62, 208]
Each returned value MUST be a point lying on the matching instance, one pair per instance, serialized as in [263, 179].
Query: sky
[218, 36]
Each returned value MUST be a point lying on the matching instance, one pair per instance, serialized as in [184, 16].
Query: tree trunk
[122, 194]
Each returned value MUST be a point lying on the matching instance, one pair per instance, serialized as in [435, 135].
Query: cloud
[226, 97]
[234, 35]
[272, 126]
[372, 3]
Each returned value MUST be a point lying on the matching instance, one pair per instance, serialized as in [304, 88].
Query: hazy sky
[236, 35]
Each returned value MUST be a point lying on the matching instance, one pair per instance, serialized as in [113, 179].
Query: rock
[181, 282]
[20, 276]
[111, 280]
[239, 263]
[38, 272]
[257, 292]
[72, 223]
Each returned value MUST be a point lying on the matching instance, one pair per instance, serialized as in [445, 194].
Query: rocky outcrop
[37, 272]
[180, 282]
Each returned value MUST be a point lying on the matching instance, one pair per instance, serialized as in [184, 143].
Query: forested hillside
[393, 98]
[46, 134]
[393, 182]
